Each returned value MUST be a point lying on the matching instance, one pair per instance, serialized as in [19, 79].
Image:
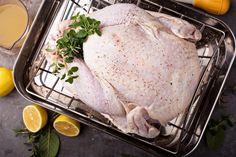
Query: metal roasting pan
[179, 137]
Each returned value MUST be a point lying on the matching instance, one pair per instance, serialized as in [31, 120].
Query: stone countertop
[93, 143]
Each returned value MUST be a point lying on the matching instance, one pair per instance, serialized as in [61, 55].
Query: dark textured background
[92, 143]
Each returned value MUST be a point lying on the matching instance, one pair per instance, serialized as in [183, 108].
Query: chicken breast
[143, 69]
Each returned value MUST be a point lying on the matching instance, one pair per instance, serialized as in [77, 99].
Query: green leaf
[75, 25]
[99, 33]
[70, 72]
[74, 69]
[61, 65]
[215, 140]
[70, 80]
[63, 76]
[48, 144]
[75, 17]
[82, 33]
[69, 59]
[70, 34]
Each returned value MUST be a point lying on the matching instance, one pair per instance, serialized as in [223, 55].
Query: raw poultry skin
[142, 70]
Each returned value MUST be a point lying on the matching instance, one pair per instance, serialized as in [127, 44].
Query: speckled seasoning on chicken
[143, 69]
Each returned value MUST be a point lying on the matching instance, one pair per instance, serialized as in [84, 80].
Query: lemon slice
[66, 126]
[6, 81]
[35, 117]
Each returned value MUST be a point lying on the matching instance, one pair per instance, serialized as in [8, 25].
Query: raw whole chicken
[142, 70]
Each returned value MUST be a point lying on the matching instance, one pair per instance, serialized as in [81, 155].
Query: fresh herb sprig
[70, 74]
[44, 143]
[215, 131]
[89, 26]
[56, 67]
[70, 46]
[221, 121]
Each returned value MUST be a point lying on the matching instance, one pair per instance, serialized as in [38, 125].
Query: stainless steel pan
[216, 50]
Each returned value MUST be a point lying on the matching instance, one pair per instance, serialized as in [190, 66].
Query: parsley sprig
[70, 45]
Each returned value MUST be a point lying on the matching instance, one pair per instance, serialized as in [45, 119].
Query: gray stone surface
[93, 143]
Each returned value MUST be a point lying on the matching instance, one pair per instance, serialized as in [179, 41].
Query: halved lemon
[6, 81]
[35, 117]
[66, 126]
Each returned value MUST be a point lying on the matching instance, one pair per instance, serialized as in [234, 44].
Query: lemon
[35, 117]
[66, 126]
[6, 81]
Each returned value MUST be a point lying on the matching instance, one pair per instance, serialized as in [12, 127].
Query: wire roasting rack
[216, 52]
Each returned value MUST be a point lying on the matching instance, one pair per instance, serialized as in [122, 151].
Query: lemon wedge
[35, 117]
[66, 126]
[6, 81]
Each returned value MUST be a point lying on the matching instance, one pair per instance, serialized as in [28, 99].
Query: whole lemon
[6, 81]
